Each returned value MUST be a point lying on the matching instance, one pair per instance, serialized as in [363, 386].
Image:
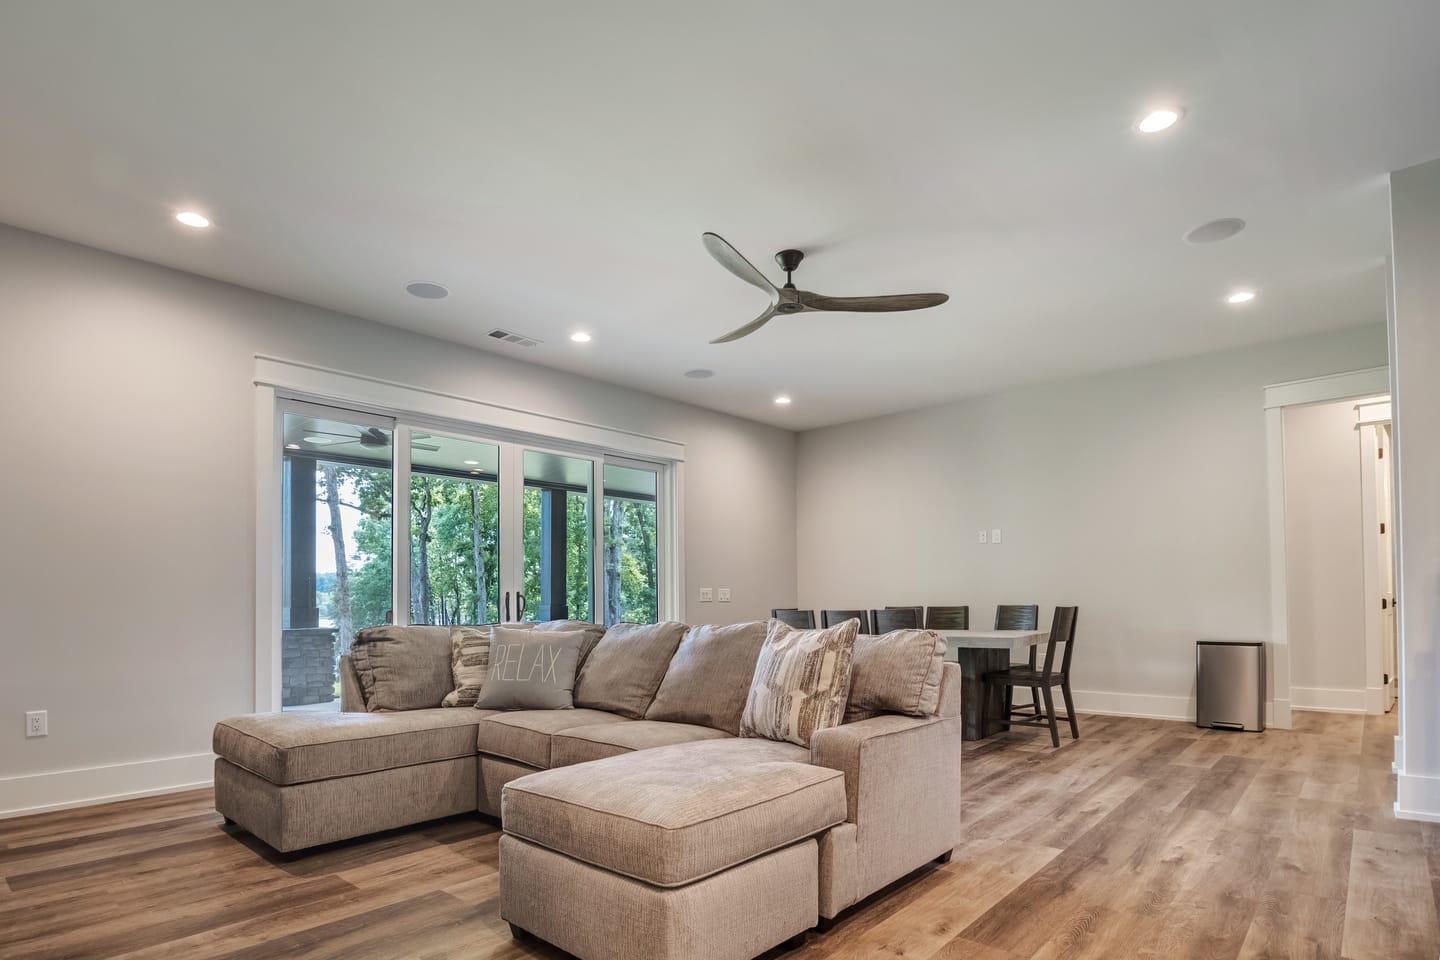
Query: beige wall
[1140, 495]
[127, 571]
[1325, 556]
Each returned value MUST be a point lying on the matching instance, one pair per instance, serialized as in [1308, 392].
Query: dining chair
[1040, 682]
[830, 618]
[895, 618]
[947, 618]
[1017, 616]
[801, 619]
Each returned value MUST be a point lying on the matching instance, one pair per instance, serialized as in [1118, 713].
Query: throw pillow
[896, 673]
[531, 669]
[469, 665]
[709, 676]
[624, 670]
[402, 668]
[801, 683]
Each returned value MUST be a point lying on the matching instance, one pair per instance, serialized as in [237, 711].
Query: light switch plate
[995, 535]
[723, 594]
[984, 537]
[706, 595]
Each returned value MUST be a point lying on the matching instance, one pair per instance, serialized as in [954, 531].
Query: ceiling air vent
[519, 339]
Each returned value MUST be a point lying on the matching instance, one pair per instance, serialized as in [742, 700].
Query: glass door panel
[631, 540]
[336, 545]
[557, 537]
[454, 530]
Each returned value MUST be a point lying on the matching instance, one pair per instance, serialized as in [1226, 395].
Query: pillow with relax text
[531, 669]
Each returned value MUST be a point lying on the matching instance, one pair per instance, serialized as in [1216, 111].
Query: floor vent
[519, 339]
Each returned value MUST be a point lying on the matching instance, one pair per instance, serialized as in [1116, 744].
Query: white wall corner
[1277, 714]
[62, 789]
[1417, 797]
[1399, 752]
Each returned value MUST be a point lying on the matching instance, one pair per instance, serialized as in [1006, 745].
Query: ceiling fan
[787, 299]
[374, 437]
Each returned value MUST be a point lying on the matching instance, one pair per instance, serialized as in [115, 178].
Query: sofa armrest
[352, 698]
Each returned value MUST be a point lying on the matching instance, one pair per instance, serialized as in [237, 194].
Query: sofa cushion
[898, 672]
[801, 684]
[583, 744]
[301, 746]
[709, 676]
[469, 665]
[531, 670]
[626, 667]
[403, 668]
[672, 815]
[524, 735]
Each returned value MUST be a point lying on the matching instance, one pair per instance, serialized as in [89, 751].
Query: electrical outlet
[37, 723]
[984, 537]
[995, 535]
[706, 595]
[723, 594]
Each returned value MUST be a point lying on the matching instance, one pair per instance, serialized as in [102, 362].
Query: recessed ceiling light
[474, 471]
[317, 439]
[1157, 120]
[1215, 230]
[472, 463]
[192, 219]
[580, 336]
[292, 446]
[426, 290]
[1241, 296]
[700, 373]
[782, 400]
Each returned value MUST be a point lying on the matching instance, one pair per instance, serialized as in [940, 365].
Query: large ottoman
[700, 851]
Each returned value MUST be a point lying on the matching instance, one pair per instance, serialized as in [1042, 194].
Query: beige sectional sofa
[686, 839]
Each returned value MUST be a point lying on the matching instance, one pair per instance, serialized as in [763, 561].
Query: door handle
[519, 606]
[507, 607]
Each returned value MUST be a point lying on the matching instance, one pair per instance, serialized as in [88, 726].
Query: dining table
[979, 652]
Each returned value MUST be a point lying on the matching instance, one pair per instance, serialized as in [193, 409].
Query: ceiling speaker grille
[507, 336]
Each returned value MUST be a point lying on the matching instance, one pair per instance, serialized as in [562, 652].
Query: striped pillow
[469, 665]
[801, 683]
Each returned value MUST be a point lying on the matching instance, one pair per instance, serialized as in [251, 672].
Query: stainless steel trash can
[1230, 684]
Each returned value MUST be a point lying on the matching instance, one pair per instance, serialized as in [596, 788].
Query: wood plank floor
[1145, 839]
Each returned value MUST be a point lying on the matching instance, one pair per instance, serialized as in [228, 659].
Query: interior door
[1389, 636]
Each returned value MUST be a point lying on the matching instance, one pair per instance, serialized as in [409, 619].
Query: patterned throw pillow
[469, 665]
[801, 683]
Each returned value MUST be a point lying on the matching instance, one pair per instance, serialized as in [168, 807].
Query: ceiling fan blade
[899, 301]
[749, 328]
[729, 258]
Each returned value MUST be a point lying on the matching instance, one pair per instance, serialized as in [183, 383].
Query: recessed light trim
[580, 336]
[1215, 230]
[292, 446]
[192, 219]
[699, 373]
[427, 290]
[1161, 119]
[1240, 296]
[783, 400]
[319, 440]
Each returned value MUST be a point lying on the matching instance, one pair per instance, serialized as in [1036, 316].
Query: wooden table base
[982, 712]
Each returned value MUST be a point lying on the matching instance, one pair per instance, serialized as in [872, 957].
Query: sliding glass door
[489, 530]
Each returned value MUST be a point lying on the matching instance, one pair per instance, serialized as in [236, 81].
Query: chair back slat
[1062, 630]
[947, 618]
[1017, 616]
[830, 618]
[800, 619]
[895, 618]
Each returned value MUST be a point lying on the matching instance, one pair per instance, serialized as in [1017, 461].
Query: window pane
[557, 537]
[454, 530]
[336, 570]
[631, 593]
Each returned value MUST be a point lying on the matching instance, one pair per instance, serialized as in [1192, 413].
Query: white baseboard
[1332, 700]
[62, 789]
[1149, 706]
[1417, 797]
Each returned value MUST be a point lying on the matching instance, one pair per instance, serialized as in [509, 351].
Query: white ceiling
[555, 165]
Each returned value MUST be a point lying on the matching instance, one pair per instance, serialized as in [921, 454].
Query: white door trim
[1352, 385]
